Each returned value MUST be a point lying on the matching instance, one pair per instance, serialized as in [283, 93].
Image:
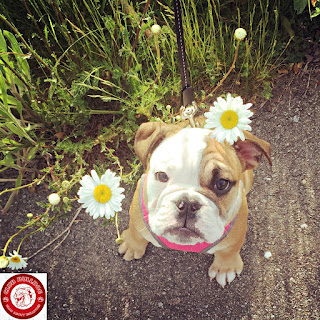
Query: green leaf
[4, 112]
[32, 153]
[19, 180]
[3, 47]
[11, 142]
[21, 59]
[46, 32]
[3, 91]
[299, 5]
[315, 13]
[17, 129]
[19, 132]
[19, 107]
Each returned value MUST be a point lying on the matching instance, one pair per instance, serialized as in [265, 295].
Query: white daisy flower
[101, 196]
[229, 117]
[16, 261]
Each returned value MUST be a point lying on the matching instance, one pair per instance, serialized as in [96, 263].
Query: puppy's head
[194, 185]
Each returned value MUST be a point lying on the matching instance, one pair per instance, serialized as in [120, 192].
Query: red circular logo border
[37, 286]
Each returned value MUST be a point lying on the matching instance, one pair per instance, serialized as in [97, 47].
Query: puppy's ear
[149, 136]
[251, 150]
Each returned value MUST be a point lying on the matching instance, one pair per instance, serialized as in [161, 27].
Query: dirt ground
[88, 280]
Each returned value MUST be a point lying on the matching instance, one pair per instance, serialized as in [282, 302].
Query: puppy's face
[194, 187]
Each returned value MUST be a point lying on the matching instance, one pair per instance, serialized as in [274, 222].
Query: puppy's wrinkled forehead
[180, 155]
[220, 159]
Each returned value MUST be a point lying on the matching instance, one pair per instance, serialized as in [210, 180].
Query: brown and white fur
[185, 165]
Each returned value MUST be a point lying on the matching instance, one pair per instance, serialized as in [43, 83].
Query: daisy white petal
[245, 113]
[221, 103]
[86, 180]
[244, 121]
[16, 261]
[236, 132]
[246, 127]
[95, 177]
[229, 99]
[233, 137]
[241, 136]
[247, 106]
[219, 134]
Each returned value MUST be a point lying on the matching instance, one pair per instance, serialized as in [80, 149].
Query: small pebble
[304, 181]
[296, 118]
[304, 226]
[267, 254]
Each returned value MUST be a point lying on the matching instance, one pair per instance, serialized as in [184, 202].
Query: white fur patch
[179, 157]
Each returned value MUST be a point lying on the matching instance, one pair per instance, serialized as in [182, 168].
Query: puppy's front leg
[134, 244]
[227, 262]
[225, 266]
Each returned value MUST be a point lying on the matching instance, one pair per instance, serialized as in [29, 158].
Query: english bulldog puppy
[192, 196]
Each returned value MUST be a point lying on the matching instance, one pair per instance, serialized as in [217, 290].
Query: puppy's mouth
[185, 233]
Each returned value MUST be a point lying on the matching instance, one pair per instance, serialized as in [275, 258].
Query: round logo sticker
[23, 296]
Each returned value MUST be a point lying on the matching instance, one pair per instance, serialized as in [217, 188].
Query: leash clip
[189, 113]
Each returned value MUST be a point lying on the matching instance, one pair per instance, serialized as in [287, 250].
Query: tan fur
[227, 258]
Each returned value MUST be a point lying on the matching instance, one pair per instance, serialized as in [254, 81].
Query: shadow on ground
[88, 280]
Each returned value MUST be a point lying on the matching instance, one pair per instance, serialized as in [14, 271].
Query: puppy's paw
[132, 247]
[225, 268]
[129, 252]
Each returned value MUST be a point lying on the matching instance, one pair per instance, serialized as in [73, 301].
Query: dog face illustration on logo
[23, 297]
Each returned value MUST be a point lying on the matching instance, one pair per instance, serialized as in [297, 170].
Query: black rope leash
[188, 105]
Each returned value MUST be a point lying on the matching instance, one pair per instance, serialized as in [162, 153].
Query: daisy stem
[67, 230]
[21, 187]
[158, 57]
[10, 239]
[116, 224]
[226, 75]
[23, 228]
[25, 237]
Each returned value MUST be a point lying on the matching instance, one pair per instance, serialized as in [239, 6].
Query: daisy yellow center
[15, 259]
[229, 119]
[102, 193]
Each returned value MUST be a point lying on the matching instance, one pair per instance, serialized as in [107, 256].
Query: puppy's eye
[161, 176]
[222, 185]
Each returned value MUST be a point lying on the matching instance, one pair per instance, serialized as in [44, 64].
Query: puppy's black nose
[187, 207]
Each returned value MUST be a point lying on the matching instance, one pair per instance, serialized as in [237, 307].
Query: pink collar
[199, 247]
